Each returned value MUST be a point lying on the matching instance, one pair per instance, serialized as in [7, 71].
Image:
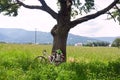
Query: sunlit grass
[80, 54]
[88, 54]
[83, 63]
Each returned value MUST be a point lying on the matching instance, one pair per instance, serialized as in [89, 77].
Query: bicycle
[56, 57]
[42, 58]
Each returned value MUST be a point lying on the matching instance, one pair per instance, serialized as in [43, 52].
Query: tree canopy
[116, 42]
[10, 7]
[115, 13]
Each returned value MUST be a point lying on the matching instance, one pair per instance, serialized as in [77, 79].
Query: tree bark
[60, 31]
[60, 39]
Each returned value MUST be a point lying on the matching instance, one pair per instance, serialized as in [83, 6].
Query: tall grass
[98, 63]
[91, 54]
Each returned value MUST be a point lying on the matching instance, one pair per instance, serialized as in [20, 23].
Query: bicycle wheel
[40, 59]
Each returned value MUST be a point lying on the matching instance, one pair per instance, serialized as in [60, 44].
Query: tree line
[115, 43]
[98, 43]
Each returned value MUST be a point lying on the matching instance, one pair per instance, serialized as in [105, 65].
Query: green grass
[91, 54]
[83, 63]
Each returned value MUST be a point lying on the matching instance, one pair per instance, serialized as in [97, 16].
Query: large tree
[67, 8]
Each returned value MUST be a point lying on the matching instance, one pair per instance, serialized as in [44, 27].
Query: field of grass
[93, 54]
[83, 63]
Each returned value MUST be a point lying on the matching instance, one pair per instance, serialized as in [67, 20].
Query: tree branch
[29, 6]
[111, 16]
[48, 9]
[92, 16]
[43, 2]
[117, 8]
[44, 7]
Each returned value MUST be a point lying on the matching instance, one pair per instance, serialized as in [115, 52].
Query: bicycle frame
[48, 58]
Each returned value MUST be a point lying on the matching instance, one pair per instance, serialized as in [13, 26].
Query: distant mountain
[72, 39]
[23, 36]
[3, 37]
[13, 35]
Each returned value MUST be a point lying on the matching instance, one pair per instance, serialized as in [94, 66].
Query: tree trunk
[59, 39]
[60, 31]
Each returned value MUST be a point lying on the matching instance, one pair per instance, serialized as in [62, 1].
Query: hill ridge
[14, 35]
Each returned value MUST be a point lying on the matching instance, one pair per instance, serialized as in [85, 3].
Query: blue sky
[31, 19]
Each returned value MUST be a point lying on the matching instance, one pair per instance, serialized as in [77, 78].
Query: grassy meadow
[83, 63]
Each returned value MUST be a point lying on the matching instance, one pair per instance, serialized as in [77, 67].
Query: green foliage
[17, 63]
[116, 12]
[98, 43]
[9, 7]
[79, 7]
[116, 43]
[116, 15]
